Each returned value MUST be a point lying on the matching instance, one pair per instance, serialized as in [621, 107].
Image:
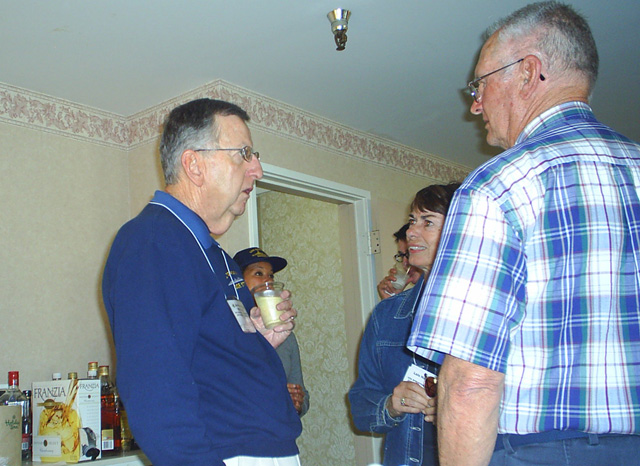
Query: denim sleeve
[368, 396]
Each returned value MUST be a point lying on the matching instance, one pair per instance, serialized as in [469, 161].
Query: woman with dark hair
[389, 395]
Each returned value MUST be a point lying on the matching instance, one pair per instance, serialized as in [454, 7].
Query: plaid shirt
[538, 277]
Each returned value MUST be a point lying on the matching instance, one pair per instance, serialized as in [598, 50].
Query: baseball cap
[250, 256]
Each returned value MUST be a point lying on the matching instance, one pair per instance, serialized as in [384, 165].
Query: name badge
[417, 374]
[240, 313]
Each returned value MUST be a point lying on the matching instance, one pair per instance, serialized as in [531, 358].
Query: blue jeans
[608, 450]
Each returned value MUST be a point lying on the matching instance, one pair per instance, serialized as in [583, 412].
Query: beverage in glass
[402, 275]
[267, 296]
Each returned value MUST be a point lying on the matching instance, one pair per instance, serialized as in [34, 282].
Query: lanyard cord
[228, 271]
[202, 249]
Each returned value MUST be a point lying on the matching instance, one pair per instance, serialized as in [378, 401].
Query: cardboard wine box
[66, 420]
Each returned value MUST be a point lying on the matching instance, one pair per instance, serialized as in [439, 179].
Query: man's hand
[297, 395]
[279, 333]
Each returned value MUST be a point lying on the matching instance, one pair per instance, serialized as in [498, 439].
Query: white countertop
[130, 458]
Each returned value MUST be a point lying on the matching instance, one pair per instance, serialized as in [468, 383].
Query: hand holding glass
[402, 275]
[267, 296]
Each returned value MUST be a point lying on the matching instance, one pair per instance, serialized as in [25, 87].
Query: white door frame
[330, 191]
[318, 188]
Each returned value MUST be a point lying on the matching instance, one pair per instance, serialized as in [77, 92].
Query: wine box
[66, 420]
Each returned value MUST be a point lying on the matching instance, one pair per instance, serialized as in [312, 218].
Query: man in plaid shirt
[533, 303]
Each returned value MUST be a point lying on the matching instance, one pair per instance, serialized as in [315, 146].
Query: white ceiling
[400, 76]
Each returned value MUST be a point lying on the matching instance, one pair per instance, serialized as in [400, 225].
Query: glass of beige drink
[267, 296]
[402, 275]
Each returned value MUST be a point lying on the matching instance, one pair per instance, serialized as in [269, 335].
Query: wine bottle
[29, 427]
[92, 371]
[109, 415]
[125, 430]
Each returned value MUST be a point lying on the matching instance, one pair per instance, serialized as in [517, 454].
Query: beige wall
[144, 176]
[61, 201]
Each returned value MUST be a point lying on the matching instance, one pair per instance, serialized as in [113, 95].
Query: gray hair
[192, 126]
[562, 37]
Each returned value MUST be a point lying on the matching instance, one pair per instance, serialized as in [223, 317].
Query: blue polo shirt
[197, 389]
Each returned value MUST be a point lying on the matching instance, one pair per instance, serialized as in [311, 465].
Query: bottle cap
[72, 375]
[103, 370]
[14, 378]
[56, 376]
[93, 369]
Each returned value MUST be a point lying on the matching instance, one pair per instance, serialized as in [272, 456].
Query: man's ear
[193, 166]
[532, 70]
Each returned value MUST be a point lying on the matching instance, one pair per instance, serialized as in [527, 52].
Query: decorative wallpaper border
[45, 113]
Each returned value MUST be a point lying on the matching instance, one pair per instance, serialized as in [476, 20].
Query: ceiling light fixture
[339, 24]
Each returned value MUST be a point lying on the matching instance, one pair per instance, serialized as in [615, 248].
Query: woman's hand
[409, 397]
[432, 409]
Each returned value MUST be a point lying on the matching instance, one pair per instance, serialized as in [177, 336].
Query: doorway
[322, 229]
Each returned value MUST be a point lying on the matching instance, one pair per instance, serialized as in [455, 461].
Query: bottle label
[14, 403]
[107, 439]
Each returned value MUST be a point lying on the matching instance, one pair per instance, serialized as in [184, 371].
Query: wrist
[389, 407]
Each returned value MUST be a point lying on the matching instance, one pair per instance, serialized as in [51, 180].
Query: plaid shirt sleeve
[476, 285]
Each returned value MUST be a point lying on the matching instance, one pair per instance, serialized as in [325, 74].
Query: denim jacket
[382, 363]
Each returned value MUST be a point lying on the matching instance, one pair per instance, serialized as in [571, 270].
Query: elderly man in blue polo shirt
[192, 364]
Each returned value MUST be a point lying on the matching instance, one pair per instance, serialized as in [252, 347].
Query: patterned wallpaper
[45, 113]
[305, 232]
